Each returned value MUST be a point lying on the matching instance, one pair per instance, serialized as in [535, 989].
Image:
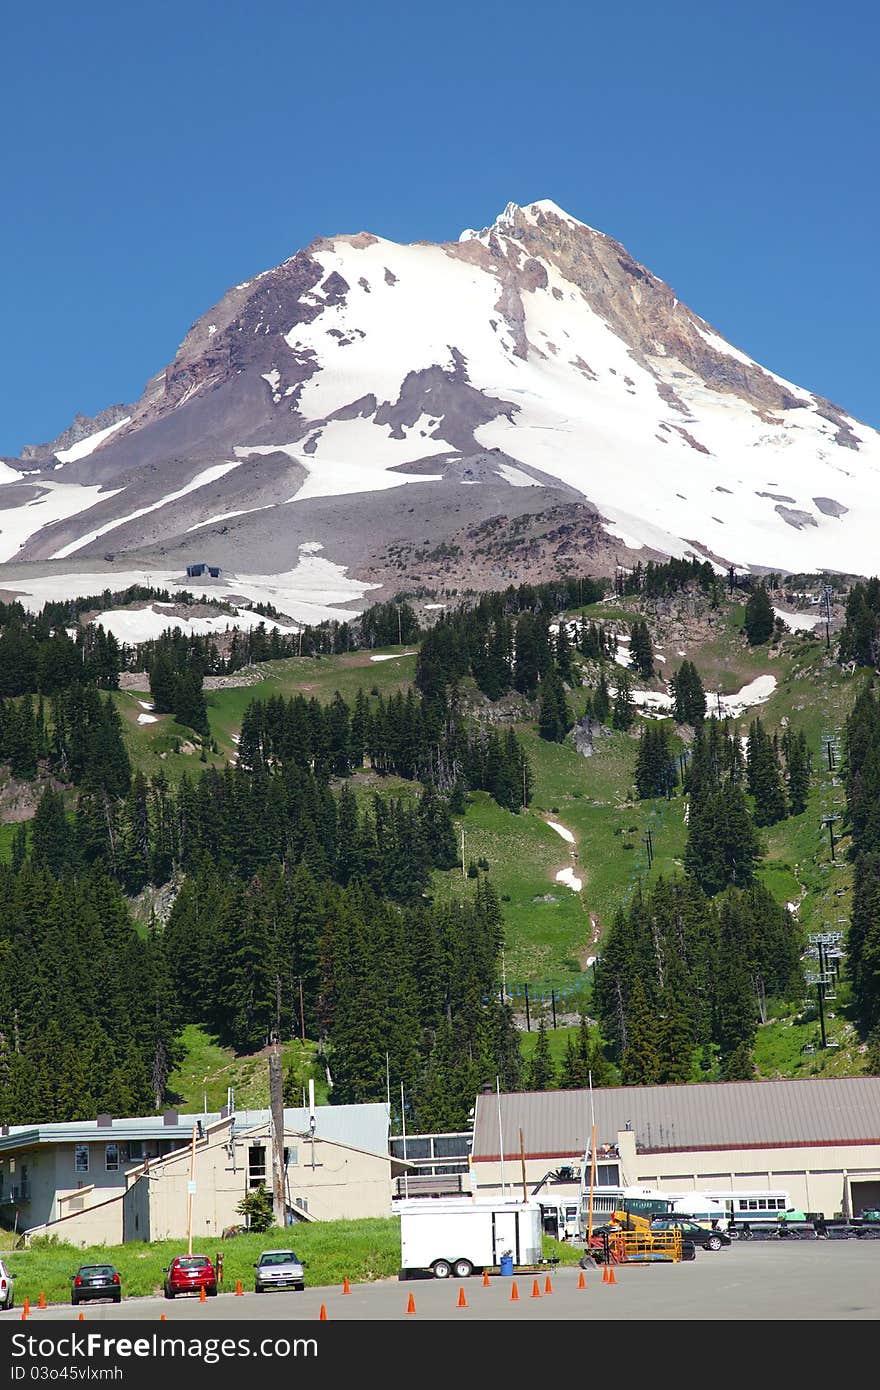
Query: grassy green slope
[208, 1069]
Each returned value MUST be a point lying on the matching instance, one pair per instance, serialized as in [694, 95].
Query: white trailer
[459, 1236]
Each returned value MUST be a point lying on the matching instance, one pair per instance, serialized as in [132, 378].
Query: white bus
[735, 1208]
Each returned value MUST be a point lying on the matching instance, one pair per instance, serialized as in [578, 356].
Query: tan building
[112, 1180]
[341, 1169]
[819, 1140]
[54, 1172]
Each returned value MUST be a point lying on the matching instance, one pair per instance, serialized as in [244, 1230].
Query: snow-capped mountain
[347, 398]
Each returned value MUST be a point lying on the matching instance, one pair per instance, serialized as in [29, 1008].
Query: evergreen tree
[541, 1069]
[641, 1064]
[799, 766]
[689, 695]
[655, 768]
[624, 711]
[759, 617]
[601, 700]
[765, 777]
[641, 650]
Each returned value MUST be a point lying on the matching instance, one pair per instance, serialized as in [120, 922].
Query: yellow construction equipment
[634, 1242]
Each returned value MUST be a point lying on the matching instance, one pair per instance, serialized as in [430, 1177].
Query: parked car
[95, 1281]
[703, 1236]
[7, 1286]
[279, 1269]
[190, 1274]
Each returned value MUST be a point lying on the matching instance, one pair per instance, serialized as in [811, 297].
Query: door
[865, 1196]
[505, 1235]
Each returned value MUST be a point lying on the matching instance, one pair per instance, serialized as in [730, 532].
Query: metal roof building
[719, 1115]
[809, 1136]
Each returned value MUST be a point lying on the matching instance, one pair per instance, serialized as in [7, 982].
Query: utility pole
[191, 1192]
[463, 870]
[553, 1005]
[302, 1012]
[827, 594]
[276, 1107]
[528, 1019]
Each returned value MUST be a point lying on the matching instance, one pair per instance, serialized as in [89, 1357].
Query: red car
[190, 1274]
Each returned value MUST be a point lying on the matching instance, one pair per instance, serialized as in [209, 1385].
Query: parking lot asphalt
[800, 1280]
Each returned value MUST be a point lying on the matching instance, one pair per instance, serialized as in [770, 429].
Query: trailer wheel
[442, 1269]
[463, 1269]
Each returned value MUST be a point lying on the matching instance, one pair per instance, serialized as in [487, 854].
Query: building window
[81, 1158]
[135, 1150]
[290, 1157]
[256, 1165]
[111, 1157]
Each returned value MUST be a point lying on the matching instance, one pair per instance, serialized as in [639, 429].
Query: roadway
[804, 1280]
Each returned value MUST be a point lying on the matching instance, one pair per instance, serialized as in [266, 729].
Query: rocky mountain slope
[348, 397]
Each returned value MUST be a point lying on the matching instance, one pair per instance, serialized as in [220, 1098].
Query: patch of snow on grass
[147, 719]
[570, 879]
[561, 830]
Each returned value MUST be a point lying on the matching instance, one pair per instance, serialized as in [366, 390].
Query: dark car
[95, 1281]
[703, 1236]
[279, 1269]
[190, 1274]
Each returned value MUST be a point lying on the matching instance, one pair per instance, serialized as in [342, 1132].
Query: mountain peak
[506, 221]
[539, 366]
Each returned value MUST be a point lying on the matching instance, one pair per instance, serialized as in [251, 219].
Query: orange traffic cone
[203, 1297]
[82, 1317]
[548, 1287]
[582, 1283]
[612, 1277]
[239, 1291]
[486, 1281]
[604, 1274]
[322, 1316]
[346, 1286]
[411, 1305]
[163, 1317]
[26, 1308]
[462, 1301]
[536, 1292]
[42, 1301]
[514, 1291]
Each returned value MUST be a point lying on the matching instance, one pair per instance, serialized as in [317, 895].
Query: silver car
[7, 1286]
[279, 1269]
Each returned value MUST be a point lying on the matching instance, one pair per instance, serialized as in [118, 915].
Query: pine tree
[601, 700]
[759, 617]
[641, 650]
[641, 1064]
[689, 695]
[624, 711]
[541, 1069]
[765, 777]
[798, 770]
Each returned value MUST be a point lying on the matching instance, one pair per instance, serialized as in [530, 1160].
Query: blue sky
[154, 155]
